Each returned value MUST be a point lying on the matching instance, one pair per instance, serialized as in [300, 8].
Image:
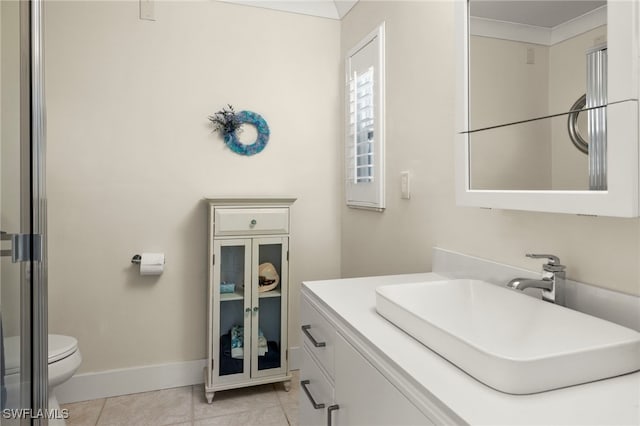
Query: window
[364, 139]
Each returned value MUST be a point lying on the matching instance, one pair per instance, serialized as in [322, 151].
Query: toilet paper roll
[151, 263]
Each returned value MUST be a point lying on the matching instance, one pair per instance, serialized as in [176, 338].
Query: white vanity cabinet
[340, 387]
[365, 396]
[376, 374]
[248, 283]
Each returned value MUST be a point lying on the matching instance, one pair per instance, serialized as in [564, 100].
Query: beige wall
[131, 155]
[420, 128]
[504, 88]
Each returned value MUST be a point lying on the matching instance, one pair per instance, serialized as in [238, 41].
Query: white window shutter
[364, 139]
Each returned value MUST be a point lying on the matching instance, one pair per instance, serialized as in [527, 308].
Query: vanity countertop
[353, 303]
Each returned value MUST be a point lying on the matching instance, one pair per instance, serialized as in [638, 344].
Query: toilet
[64, 361]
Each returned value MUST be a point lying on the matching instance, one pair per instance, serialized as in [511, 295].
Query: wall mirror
[534, 59]
[548, 94]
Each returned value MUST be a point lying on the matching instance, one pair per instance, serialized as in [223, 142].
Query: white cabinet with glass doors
[248, 284]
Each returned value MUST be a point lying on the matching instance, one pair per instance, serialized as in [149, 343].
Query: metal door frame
[34, 327]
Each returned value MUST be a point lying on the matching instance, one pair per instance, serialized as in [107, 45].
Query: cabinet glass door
[270, 278]
[232, 309]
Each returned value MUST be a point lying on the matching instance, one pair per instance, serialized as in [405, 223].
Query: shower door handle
[21, 247]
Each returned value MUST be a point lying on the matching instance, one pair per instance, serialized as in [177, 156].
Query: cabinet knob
[253, 222]
[247, 310]
[255, 309]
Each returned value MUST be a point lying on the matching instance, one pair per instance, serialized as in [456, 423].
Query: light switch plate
[531, 55]
[147, 10]
[405, 185]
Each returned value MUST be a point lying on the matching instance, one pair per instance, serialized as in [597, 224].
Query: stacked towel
[237, 342]
[230, 365]
[262, 344]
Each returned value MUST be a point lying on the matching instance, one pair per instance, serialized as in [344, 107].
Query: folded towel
[270, 359]
[226, 287]
[237, 342]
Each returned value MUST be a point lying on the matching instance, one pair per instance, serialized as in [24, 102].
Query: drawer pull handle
[305, 330]
[254, 222]
[331, 409]
[304, 384]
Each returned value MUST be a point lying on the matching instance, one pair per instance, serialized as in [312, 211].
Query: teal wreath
[231, 138]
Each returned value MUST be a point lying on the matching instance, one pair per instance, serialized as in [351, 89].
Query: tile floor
[186, 406]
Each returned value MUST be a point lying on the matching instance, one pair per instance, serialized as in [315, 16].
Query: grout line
[101, 410]
[286, 416]
[249, 391]
[193, 404]
[284, 412]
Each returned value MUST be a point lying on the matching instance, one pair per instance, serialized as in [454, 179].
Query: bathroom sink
[507, 340]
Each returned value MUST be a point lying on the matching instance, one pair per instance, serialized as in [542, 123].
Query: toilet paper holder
[137, 259]
[149, 263]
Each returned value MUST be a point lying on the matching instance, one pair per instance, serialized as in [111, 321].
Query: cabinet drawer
[318, 391]
[318, 336]
[251, 221]
[366, 397]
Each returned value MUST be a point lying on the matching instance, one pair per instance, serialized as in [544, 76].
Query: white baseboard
[83, 387]
[295, 358]
[124, 381]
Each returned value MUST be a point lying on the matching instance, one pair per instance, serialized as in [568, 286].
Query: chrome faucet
[552, 282]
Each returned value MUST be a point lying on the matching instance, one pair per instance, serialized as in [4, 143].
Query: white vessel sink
[507, 340]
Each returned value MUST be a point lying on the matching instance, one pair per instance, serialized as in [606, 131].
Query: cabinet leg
[209, 396]
[287, 385]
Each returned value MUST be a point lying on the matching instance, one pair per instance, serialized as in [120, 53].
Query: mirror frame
[621, 197]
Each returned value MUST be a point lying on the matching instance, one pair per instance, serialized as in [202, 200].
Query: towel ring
[572, 120]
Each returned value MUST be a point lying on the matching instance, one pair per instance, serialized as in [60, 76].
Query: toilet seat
[60, 347]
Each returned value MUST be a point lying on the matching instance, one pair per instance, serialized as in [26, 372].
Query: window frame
[367, 195]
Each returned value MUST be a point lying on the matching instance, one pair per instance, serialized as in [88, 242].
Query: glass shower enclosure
[23, 260]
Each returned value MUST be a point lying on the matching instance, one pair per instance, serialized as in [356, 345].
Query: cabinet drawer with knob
[230, 221]
[356, 393]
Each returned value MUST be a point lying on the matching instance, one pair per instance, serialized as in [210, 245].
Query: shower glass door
[23, 329]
